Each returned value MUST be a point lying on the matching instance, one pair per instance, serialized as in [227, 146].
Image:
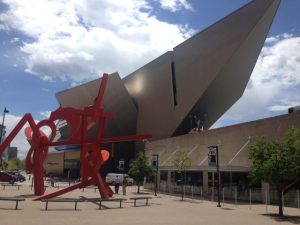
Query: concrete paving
[162, 209]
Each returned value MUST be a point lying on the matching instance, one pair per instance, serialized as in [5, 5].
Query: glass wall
[72, 168]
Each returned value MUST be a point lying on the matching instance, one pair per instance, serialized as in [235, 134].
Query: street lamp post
[2, 128]
[216, 148]
[156, 174]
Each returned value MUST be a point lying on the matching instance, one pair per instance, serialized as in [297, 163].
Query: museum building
[176, 98]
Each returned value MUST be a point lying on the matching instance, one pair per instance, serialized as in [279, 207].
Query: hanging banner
[212, 158]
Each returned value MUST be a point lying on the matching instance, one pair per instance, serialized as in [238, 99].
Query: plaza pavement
[162, 209]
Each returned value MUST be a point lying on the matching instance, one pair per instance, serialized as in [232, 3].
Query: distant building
[3, 132]
[12, 153]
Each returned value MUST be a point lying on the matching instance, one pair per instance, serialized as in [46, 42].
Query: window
[174, 83]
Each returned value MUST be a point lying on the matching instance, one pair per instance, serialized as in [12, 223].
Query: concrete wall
[54, 163]
[231, 140]
[233, 143]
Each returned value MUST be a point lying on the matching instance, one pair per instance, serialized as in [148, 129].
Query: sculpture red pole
[92, 157]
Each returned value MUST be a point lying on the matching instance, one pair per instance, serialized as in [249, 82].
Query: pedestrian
[124, 185]
[117, 184]
[52, 181]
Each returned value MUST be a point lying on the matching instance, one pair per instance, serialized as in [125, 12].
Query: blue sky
[49, 46]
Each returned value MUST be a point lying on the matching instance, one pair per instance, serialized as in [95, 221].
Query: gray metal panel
[116, 100]
[219, 58]
[218, 62]
[151, 88]
[229, 84]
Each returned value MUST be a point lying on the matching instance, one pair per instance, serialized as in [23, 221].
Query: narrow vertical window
[174, 83]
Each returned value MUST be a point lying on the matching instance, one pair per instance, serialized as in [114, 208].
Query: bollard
[298, 197]
[32, 181]
[235, 197]
[266, 202]
[201, 191]
[250, 192]
[193, 192]
[223, 196]
[282, 198]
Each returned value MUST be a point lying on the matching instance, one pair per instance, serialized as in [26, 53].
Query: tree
[276, 162]
[139, 169]
[15, 164]
[181, 161]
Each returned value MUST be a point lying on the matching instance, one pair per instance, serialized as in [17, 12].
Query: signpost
[213, 161]
[155, 168]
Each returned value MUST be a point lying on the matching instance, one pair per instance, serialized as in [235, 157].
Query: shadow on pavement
[142, 193]
[224, 208]
[290, 219]
[187, 200]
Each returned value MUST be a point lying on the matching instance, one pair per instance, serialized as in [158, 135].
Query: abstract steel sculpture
[92, 157]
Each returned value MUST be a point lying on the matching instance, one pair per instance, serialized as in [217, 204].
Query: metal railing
[234, 194]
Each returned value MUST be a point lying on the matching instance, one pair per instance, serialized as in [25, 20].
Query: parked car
[111, 177]
[20, 177]
[6, 177]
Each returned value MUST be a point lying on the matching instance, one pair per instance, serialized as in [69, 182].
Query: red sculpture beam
[92, 157]
[37, 153]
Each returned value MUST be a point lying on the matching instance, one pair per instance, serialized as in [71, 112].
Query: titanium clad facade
[226, 54]
[152, 89]
[191, 86]
[116, 100]
[204, 76]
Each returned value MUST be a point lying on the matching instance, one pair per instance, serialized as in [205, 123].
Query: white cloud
[276, 38]
[45, 114]
[284, 105]
[78, 40]
[271, 40]
[274, 85]
[3, 27]
[175, 5]
[20, 140]
[14, 40]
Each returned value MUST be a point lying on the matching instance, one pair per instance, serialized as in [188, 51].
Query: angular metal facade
[202, 77]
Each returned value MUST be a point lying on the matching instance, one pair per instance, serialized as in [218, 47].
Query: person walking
[52, 181]
[117, 184]
[124, 185]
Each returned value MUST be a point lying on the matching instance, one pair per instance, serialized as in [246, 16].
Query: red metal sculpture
[92, 157]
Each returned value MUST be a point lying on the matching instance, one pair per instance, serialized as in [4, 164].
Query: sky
[48, 46]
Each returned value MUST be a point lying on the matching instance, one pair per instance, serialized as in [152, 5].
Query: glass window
[71, 164]
[163, 175]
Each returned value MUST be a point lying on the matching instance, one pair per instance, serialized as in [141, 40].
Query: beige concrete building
[234, 161]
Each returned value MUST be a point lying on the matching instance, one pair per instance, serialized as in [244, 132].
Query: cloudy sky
[48, 46]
